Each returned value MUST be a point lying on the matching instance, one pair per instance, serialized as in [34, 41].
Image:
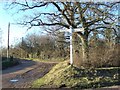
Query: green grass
[65, 75]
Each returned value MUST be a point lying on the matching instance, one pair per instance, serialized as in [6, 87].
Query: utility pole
[8, 41]
[21, 48]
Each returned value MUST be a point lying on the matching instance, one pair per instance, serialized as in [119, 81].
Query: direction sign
[71, 30]
[79, 30]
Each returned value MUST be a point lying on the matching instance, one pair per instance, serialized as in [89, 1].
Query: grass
[53, 60]
[65, 75]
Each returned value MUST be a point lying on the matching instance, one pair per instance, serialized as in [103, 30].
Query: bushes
[100, 56]
[8, 63]
[105, 56]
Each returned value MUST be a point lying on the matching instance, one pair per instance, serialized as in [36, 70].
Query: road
[25, 73]
[28, 71]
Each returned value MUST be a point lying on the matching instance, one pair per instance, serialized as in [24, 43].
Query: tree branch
[62, 12]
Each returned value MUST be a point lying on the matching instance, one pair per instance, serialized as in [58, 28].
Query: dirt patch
[25, 73]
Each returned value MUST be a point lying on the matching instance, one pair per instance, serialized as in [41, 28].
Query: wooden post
[71, 48]
[8, 41]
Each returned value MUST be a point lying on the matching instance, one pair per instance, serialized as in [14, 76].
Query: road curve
[24, 73]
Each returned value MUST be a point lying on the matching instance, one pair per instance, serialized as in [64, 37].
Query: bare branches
[62, 12]
[50, 24]
[25, 6]
[68, 14]
[94, 21]
[32, 7]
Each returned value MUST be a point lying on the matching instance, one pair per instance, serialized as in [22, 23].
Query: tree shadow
[23, 64]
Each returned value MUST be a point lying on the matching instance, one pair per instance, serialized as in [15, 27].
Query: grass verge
[46, 60]
[67, 76]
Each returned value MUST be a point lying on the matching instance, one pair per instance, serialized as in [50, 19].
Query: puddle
[14, 80]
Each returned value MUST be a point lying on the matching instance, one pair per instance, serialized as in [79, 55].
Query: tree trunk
[85, 48]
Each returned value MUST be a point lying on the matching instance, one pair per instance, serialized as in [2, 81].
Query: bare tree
[93, 17]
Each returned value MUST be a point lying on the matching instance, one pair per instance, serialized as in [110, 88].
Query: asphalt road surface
[22, 75]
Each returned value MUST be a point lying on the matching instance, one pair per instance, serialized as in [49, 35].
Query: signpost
[71, 31]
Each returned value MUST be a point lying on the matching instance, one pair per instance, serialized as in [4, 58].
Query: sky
[16, 31]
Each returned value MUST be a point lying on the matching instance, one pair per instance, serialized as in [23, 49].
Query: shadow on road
[23, 64]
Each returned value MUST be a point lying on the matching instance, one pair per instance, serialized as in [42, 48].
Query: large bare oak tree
[93, 17]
